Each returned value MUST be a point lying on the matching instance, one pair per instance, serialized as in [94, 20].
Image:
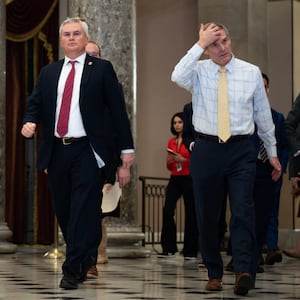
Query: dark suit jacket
[99, 90]
[281, 141]
[189, 133]
[292, 132]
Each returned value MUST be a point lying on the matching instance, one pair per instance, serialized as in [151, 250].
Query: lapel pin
[90, 63]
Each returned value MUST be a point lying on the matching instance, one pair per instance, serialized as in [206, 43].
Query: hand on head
[208, 34]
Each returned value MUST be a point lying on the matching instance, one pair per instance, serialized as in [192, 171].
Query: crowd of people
[228, 144]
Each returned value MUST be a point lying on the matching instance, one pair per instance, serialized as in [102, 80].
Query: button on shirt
[248, 102]
[75, 128]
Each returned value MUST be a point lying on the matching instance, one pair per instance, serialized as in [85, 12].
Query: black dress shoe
[85, 265]
[243, 283]
[273, 256]
[68, 283]
[260, 269]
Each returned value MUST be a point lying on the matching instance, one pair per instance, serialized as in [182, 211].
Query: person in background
[266, 199]
[93, 49]
[180, 184]
[69, 100]
[274, 254]
[292, 133]
[224, 157]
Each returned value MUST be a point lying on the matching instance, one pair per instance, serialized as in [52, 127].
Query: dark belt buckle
[220, 141]
[66, 141]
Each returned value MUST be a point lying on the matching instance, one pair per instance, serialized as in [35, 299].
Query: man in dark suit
[292, 132]
[75, 159]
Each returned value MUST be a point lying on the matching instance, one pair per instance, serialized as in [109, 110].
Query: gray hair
[221, 26]
[83, 24]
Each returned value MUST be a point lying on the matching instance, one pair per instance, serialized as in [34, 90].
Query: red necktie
[63, 118]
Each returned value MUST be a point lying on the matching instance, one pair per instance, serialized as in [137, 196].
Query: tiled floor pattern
[27, 275]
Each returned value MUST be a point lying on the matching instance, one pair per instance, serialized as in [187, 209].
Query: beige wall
[165, 31]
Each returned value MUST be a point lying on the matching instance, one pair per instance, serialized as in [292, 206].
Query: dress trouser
[177, 186]
[264, 198]
[216, 167]
[76, 182]
[263, 195]
[272, 232]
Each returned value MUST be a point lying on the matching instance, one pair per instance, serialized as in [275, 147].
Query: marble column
[112, 25]
[5, 233]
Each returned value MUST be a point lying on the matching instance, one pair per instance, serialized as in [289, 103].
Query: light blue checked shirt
[248, 102]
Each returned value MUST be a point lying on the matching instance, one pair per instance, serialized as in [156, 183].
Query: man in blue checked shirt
[218, 164]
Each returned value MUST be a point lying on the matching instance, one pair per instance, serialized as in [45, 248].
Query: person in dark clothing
[180, 184]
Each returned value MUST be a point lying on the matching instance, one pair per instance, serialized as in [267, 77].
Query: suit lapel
[87, 69]
[53, 83]
[56, 73]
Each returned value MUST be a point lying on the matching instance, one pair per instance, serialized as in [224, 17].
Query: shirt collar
[228, 66]
[80, 59]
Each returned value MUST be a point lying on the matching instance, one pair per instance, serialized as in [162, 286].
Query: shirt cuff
[127, 151]
[297, 153]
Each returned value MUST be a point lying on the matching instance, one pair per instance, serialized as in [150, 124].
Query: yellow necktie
[224, 132]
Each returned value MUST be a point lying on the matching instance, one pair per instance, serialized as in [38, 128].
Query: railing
[153, 199]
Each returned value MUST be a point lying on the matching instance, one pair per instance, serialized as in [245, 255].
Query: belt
[69, 140]
[216, 139]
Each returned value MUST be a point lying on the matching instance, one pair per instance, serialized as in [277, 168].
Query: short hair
[179, 115]
[265, 76]
[220, 25]
[83, 24]
[99, 48]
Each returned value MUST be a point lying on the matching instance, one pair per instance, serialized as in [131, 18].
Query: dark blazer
[281, 141]
[189, 134]
[292, 133]
[99, 90]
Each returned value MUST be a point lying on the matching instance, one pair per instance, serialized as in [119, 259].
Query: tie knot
[222, 70]
[72, 62]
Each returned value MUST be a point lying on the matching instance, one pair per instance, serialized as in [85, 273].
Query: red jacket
[185, 166]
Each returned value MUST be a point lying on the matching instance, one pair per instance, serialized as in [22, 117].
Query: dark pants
[272, 232]
[76, 182]
[215, 168]
[264, 197]
[177, 186]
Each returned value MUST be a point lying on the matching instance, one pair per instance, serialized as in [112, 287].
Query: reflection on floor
[28, 275]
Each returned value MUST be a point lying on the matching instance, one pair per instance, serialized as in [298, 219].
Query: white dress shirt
[248, 102]
[75, 128]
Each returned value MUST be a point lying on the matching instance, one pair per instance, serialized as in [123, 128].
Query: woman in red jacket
[180, 184]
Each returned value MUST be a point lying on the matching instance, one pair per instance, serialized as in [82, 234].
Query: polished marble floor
[29, 275]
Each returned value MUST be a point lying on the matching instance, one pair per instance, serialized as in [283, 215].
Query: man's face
[73, 40]
[220, 51]
[92, 50]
